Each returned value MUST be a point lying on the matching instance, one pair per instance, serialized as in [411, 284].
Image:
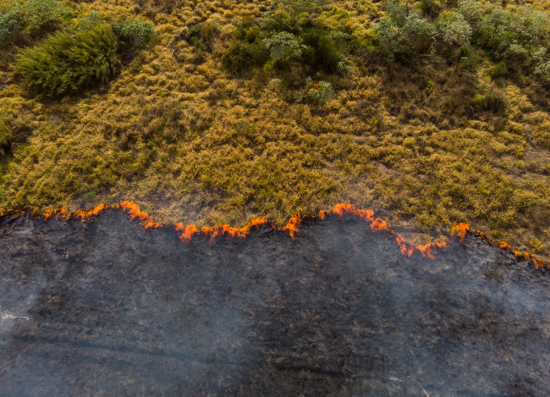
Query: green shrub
[498, 70]
[297, 7]
[317, 93]
[66, 62]
[134, 33]
[455, 30]
[429, 7]
[242, 56]
[245, 31]
[10, 22]
[247, 49]
[320, 93]
[278, 22]
[44, 14]
[506, 33]
[89, 197]
[90, 21]
[542, 59]
[321, 52]
[284, 45]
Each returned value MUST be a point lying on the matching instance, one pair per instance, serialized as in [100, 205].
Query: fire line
[186, 233]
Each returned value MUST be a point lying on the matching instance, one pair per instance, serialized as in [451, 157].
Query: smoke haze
[105, 308]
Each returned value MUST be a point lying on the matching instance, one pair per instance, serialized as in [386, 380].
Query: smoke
[338, 310]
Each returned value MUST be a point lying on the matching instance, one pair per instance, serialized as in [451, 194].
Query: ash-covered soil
[104, 308]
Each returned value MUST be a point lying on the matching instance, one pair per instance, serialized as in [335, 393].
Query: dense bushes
[516, 33]
[307, 45]
[84, 51]
[44, 14]
[10, 22]
[34, 17]
[66, 62]
[294, 43]
[135, 33]
[247, 49]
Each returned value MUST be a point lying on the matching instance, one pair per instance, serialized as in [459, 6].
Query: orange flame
[186, 233]
[461, 229]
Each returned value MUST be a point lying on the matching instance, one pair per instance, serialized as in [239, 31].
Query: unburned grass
[191, 141]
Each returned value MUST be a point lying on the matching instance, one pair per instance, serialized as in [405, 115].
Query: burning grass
[186, 233]
[190, 141]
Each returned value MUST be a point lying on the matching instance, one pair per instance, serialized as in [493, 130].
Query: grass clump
[67, 62]
[5, 135]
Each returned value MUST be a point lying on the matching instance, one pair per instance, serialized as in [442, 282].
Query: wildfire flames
[186, 233]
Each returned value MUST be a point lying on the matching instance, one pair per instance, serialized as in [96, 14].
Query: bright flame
[186, 233]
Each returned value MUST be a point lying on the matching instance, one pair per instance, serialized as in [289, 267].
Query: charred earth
[106, 308]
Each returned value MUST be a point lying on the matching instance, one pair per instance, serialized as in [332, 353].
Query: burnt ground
[104, 308]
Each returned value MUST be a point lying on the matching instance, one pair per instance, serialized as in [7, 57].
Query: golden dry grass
[190, 142]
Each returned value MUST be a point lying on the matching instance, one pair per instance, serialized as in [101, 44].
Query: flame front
[186, 233]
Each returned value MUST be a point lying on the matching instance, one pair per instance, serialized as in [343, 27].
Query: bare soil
[104, 308]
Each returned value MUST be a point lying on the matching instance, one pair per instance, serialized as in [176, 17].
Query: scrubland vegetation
[431, 113]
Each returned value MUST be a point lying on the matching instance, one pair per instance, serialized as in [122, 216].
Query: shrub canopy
[66, 62]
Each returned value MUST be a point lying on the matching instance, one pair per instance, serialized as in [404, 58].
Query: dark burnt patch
[105, 307]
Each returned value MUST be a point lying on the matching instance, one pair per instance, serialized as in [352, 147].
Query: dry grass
[190, 142]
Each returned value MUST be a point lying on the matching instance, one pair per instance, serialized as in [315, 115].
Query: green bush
[66, 62]
[90, 21]
[318, 93]
[321, 52]
[278, 22]
[542, 59]
[34, 15]
[242, 56]
[297, 7]
[247, 49]
[429, 7]
[10, 22]
[284, 45]
[134, 33]
[44, 14]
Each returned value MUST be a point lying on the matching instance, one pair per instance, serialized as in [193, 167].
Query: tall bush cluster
[515, 33]
[64, 62]
[83, 51]
[293, 39]
[34, 16]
